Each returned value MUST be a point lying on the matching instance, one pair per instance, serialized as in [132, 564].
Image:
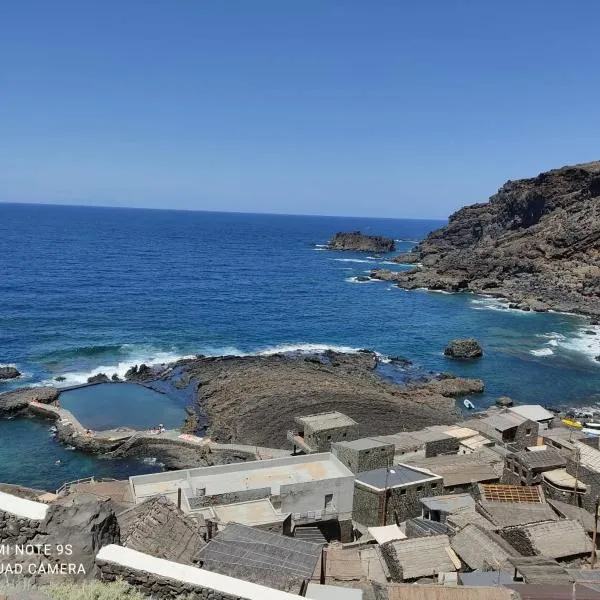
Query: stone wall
[320, 441]
[403, 502]
[165, 579]
[447, 445]
[590, 478]
[17, 530]
[359, 461]
[527, 434]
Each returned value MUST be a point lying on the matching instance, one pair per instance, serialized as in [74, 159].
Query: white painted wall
[21, 507]
[310, 496]
[138, 561]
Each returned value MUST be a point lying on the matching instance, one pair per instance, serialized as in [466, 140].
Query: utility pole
[593, 558]
[578, 459]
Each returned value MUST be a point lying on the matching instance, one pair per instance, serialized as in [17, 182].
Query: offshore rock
[535, 243]
[9, 373]
[100, 378]
[360, 242]
[463, 349]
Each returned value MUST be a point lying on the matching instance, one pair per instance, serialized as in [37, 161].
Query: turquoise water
[88, 290]
[110, 405]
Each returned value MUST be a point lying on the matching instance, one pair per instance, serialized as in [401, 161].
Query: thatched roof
[481, 549]
[512, 514]
[540, 569]
[575, 513]
[260, 557]
[157, 527]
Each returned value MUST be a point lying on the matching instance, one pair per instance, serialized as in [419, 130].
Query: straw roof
[157, 527]
[481, 549]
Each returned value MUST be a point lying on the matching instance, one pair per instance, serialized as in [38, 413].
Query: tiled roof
[511, 493]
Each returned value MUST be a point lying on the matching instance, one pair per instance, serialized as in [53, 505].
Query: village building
[462, 472]
[313, 488]
[316, 433]
[261, 557]
[468, 516]
[419, 557]
[562, 439]
[575, 513]
[513, 505]
[564, 539]
[437, 508]
[537, 413]
[481, 549]
[526, 467]
[584, 466]
[392, 495]
[364, 454]
[507, 428]
[560, 485]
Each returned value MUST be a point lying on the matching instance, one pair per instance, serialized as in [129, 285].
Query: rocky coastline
[251, 402]
[536, 243]
[361, 242]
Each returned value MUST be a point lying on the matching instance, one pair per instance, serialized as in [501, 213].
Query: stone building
[527, 466]
[365, 454]
[316, 433]
[584, 466]
[438, 508]
[385, 496]
[507, 428]
[537, 413]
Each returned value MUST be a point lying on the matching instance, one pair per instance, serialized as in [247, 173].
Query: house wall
[405, 502]
[320, 441]
[196, 502]
[590, 478]
[367, 459]
[524, 439]
[442, 446]
[310, 496]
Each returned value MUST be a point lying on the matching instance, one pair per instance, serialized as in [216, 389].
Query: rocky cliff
[536, 243]
[360, 242]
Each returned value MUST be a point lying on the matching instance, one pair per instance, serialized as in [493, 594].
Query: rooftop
[260, 557]
[363, 444]
[402, 441]
[590, 457]
[458, 469]
[460, 433]
[430, 435]
[468, 516]
[386, 533]
[539, 459]
[475, 442]
[437, 592]
[273, 473]
[252, 513]
[419, 557]
[449, 503]
[534, 412]
[326, 420]
[575, 513]
[558, 539]
[540, 569]
[512, 514]
[419, 527]
[502, 421]
[511, 493]
[480, 549]
[560, 478]
[398, 476]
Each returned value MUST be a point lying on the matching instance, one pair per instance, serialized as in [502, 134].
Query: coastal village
[501, 505]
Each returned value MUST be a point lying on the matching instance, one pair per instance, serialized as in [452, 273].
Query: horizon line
[233, 212]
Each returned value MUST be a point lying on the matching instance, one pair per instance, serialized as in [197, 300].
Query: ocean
[86, 290]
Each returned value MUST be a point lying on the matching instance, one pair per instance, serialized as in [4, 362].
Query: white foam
[356, 280]
[583, 343]
[305, 348]
[497, 304]
[542, 352]
[352, 260]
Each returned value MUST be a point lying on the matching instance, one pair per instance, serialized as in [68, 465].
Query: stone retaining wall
[164, 579]
[20, 519]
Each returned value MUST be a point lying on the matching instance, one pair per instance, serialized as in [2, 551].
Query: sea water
[90, 290]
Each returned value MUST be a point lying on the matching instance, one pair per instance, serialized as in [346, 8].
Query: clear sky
[382, 108]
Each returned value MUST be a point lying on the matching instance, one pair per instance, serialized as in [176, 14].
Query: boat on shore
[468, 404]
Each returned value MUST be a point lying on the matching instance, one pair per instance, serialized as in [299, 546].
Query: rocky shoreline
[536, 243]
[251, 402]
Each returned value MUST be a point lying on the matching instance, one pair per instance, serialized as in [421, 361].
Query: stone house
[365, 454]
[507, 428]
[316, 433]
[527, 466]
[384, 496]
[584, 466]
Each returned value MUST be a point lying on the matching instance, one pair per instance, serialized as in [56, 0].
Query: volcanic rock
[17, 400]
[504, 402]
[407, 258]
[536, 243]
[360, 242]
[254, 399]
[463, 349]
[99, 378]
[9, 373]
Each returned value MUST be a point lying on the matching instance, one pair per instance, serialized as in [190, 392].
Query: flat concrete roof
[364, 444]
[326, 420]
[396, 476]
[255, 512]
[236, 477]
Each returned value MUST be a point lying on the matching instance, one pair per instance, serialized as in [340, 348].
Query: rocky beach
[535, 243]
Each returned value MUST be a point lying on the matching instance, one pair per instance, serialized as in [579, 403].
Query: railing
[65, 487]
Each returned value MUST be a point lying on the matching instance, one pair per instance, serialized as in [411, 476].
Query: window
[528, 431]
[403, 492]
[328, 437]
[344, 434]
[419, 488]
[328, 501]
[434, 486]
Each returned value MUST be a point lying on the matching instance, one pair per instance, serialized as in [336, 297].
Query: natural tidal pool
[110, 405]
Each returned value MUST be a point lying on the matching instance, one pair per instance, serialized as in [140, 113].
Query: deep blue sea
[85, 290]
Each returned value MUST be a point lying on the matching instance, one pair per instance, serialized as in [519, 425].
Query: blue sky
[384, 108]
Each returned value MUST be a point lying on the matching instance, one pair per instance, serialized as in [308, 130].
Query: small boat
[468, 404]
[570, 423]
[591, 425]
[591, 432]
